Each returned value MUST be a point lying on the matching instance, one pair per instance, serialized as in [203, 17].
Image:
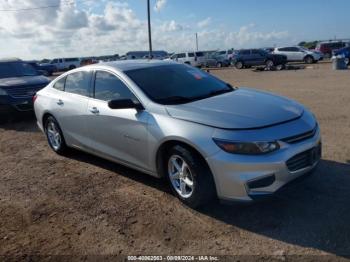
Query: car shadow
[313, 212]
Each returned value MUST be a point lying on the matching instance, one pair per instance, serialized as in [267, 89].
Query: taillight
[34, 98]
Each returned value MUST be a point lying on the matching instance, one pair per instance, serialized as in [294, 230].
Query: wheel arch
[166, 145]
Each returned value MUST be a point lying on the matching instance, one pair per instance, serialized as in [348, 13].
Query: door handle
[94, 110]
[60, 102]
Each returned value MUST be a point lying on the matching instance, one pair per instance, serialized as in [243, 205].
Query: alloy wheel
[54, 135]
[180, 176]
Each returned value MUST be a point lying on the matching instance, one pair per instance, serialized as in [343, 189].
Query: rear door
[71, 107]
[119, 134]
[297, 54]
[257, 58]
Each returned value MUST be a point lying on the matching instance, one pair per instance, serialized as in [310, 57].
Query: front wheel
[347, 61]
[239, 65]
[189, 177]
[55, 136]
[219, 64]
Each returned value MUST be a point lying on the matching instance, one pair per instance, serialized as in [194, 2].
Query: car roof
[134, 64]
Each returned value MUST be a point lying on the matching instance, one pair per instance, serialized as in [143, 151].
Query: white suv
[196, 59]
[298, 54]
[65, 63]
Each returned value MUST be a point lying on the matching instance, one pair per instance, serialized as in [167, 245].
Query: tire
[219, 64]
[54, 136]
[347, 61]
[280, 67]
[309, 59]
[269, 64]
[71, 67]
[239, 65]
[194, 185]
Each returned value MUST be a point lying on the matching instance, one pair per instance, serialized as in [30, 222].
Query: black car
[258, 57]
[19, 82]
[47, 69]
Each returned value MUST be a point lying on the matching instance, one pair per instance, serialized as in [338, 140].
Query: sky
[76, 28]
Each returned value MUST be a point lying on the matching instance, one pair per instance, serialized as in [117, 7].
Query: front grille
[23, 91]
[300, 137]
[304, 159]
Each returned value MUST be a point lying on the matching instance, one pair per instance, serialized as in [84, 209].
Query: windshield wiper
[214, 93]
[173, 100]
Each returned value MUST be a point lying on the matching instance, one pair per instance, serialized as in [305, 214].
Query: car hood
[24, 81]
[243, 108]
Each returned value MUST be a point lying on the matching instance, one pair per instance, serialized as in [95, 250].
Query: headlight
[3, 92]
[247, 148]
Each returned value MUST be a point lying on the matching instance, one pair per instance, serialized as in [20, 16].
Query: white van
[196, 59]
[65, 63]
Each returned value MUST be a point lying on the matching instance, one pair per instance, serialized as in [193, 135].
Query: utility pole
[197, 41]
[149, 30]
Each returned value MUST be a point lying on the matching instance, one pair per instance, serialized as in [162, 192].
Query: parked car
[326, 48]
[345, 52]
[226, 54]
[216, 59]
[196, 59]
[63, 64]
[207, 138]
[88, 61]
[46, 68]
[19, 82]
[145, 54]
[299, 54]
[269, 49]
[258, 57]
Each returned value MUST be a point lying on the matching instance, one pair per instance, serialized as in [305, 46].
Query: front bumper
[247, 178]
[8, 103]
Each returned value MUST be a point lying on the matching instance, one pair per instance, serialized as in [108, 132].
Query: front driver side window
[109, 87]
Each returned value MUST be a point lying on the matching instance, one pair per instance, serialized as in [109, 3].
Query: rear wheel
[219, 64]
[280, 67]
[239, 65]
[55, 136]
[189, 177]
[71, 67]
[347, 61]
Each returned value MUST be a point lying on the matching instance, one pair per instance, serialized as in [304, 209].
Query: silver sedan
[207, 138]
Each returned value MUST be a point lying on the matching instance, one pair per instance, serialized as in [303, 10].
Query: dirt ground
[83, 205]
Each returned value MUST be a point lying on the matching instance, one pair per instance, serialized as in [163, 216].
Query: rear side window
[284, 49]
[59, 85]
[109, 87]
[182, 55]
[72, 59]
[190, 54]
[199, 54]
[78, 83]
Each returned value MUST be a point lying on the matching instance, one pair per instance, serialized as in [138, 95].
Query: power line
[39, 7]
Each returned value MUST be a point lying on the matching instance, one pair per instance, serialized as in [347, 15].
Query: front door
[120, 134]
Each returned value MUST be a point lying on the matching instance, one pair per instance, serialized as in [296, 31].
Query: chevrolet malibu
[207, 138]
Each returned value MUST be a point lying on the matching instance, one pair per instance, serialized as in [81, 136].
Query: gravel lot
[83, 205]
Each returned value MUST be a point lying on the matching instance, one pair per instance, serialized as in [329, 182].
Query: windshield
[177, 84]
[16, 69]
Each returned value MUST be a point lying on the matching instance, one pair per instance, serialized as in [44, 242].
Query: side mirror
[124, 104]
